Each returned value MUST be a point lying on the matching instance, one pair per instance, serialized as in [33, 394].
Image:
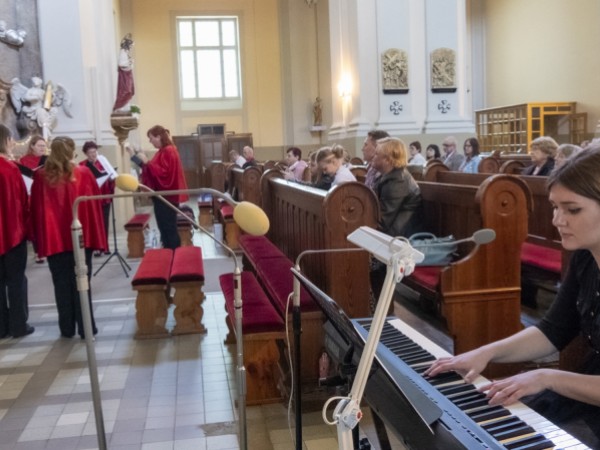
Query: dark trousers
[62, 268]
[105, 216]
[14, 309]
[166, 220]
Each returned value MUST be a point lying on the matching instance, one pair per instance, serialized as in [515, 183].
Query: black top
[249, 163]
[544, 171]
[575, 310]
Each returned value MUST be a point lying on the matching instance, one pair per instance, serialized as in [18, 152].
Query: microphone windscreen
[127, 182]
[484, 236]
[251, 218]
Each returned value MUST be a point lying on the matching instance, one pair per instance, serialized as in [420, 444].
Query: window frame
[209, 103]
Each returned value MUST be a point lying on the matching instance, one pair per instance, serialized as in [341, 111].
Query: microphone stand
[297, 327]
[83, 288]
[116, 253]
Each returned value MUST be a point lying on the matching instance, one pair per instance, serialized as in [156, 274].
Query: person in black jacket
[542, 151]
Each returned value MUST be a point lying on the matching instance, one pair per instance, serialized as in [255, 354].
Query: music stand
[115, 252]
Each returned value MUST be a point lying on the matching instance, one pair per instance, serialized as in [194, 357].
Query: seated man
[452, 159]
[296, 166]
[248, 153]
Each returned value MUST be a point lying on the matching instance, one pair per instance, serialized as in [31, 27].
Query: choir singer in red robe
[54, 190]
[163, 172]
[14, 212]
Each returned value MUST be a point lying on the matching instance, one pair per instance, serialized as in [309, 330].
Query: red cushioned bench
[187, 278]
[262, 328]
[205, 210]
[272, 269]
[151, 282]
[231, 229]
[540, 261]
[135, 234]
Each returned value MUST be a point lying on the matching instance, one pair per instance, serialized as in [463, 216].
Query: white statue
[12, 37]
[40, 105]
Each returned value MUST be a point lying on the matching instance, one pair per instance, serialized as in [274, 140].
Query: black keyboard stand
[115, 252]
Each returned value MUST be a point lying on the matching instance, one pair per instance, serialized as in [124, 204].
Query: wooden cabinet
[512, 128]
[189, 153]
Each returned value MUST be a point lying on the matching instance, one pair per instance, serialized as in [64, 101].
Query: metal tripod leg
[116, 253]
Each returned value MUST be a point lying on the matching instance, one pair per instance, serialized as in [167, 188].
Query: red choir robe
[164, 172]
[14, 206]
[31, 161]
[108, 187]
[52, 213]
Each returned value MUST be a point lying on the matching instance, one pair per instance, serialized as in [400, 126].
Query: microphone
[480, 237]
[248, 216]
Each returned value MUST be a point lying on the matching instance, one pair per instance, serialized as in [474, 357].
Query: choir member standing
[55, 188]
[163, 172]
[13, 250]
[105, 175]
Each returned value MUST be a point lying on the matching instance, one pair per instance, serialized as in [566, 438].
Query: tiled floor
[174, 393]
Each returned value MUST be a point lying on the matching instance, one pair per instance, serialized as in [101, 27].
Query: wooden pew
[304, 218]
[218, 175]
[244, 184]
[553, 262]
[479, 294]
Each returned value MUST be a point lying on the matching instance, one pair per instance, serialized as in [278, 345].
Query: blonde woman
[331, 160]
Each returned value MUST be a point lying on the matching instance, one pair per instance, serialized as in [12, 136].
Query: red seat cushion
[428, 276]
[205, 200]
[226, 211]
[154, 268]
[187, 264]
[546, 258]
[258, 314]
[137, 221]
[278, 280]
[259, 247]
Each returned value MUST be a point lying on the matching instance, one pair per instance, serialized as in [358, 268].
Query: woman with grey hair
[542, 151]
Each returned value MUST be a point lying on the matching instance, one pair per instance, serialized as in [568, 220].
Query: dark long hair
[580, 174]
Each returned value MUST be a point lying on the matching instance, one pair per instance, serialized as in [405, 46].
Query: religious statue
[15, 38]
[37, 106]
[317, 113]
[125, 86]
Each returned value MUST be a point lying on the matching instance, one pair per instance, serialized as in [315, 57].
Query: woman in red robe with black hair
[14, 210]
[163, 172]
[54, 190]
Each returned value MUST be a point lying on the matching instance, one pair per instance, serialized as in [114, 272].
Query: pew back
[304, 217]
[245, 183]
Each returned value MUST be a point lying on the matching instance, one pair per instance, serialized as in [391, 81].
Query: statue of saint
[125, 87]
[317, 113]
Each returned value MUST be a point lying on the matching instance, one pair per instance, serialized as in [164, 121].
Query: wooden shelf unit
[510, 129]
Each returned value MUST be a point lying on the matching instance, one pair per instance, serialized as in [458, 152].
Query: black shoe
[28, 330]
[97, 254]
[107, 252]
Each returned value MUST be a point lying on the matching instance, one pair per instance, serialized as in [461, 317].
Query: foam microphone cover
[127, 182]
[484, 236]
[251, 218]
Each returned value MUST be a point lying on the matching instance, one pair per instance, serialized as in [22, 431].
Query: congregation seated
[542, 151]
[331, 161]
[472, 158]
[451, 158]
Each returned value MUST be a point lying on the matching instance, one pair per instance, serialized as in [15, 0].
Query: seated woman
[542, 151]
[569, 399]
[416, 159]
[399, 199]
[432, 153]
[564, 152]
[331, 160]
[472, 158]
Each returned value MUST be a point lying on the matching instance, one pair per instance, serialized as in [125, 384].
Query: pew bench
[151, 281]
[263, 331]
[135, 234]
[479, 294]
[205, 210]
[187, 278]
[272, 269]
[231, 229]
[159, 270]
[185, 231]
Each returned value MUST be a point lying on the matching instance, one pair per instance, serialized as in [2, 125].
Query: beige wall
[156, 76]
[543, 50]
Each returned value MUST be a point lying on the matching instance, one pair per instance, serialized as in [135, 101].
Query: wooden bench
[244, 184]
[185, 231]
[205, 210]
[187, 278]
[305, 218]
[479, 294]
[542, 255]
[263, 331]
[151, 282]
[135, 235]
[159, 270]
[231, 230]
